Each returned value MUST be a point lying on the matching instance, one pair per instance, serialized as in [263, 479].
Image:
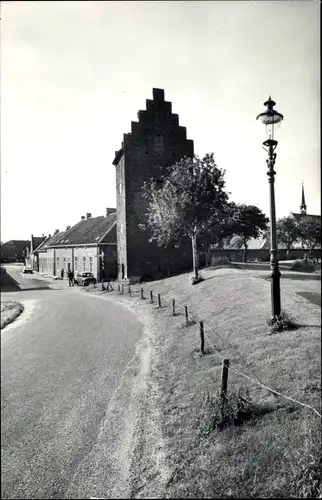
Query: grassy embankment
[275, 449]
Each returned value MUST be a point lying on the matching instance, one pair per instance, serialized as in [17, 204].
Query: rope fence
[191, 319]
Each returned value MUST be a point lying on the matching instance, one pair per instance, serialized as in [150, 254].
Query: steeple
[303, 206]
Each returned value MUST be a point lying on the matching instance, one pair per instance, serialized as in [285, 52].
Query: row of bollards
[225, 363]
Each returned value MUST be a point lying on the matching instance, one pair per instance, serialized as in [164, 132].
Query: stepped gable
[156, 124]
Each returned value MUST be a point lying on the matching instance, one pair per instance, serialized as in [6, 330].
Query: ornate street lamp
[270, 118]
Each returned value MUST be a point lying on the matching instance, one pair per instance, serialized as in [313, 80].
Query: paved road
[19, 281]
[67, 367]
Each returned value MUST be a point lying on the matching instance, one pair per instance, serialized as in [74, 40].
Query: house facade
[155, 142]
[89, 245]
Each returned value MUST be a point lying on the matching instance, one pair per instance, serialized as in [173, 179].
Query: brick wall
[236, 255]
[155, 142]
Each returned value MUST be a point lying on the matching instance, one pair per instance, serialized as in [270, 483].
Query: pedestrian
[62, 274]
[70, 278]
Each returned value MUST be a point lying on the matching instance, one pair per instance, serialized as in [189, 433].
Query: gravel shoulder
[10, 310]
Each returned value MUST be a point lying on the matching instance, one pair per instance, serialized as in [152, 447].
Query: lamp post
[270, 118]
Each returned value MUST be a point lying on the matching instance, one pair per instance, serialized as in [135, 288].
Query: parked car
[84, 279]
[27, 270]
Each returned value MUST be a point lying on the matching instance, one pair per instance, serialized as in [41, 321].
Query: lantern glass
[271, 119]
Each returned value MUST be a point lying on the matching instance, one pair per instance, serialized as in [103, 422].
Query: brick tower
[155, 142]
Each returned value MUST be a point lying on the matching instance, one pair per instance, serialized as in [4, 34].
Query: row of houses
[88, 246]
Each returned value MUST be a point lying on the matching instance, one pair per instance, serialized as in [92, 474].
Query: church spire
[303, 206]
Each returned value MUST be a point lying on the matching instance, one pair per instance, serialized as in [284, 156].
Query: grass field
[275, 452]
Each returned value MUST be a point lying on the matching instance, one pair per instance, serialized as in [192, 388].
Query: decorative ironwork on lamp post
[270, 118]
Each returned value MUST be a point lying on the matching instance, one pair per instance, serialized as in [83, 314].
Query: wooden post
[122, 289]
[186, 314]
[151, 295]
[119, 288]
[202, 338]
[173, 307]
[103, 285]
[224, 381]
[130, 290]
[159, 300]
[142, 296]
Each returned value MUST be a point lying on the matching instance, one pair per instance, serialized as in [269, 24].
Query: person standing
[70, 278]
[62, 274]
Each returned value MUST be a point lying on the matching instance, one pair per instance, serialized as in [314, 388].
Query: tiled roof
[49, 241]
[300, 216]
[18, 244]
[86, 232]
[36, 240]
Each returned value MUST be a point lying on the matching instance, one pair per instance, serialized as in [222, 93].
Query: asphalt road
[14, 280]
[67, 367]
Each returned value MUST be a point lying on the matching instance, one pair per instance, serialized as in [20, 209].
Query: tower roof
[303, 205]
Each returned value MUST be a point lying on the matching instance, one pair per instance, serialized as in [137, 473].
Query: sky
[75, 74]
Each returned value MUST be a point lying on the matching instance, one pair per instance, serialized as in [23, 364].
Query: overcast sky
[74, 75]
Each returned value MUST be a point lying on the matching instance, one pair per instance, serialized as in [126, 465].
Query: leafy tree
[287, 232]
[309, 231]
[236, 242]
[217, 232]
[249, 222]
[189, 202]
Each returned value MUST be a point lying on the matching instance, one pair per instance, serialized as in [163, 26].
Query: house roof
[18, 244]
[48, 241]
[298, 217]
[118, 156]
[86, 232]
[35, 241]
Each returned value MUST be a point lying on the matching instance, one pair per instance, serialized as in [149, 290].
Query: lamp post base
[275, 286]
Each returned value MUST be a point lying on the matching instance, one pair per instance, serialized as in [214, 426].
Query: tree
[217, 232]
[188, 203]
[236, 242]
[309, 231]
[249, 222]
[287, 232]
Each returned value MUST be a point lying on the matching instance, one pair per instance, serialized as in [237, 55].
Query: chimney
[110, 211]
[83, 217]
[56, 231]
[68, 227]
[88, 215]
[43, 236]
[49, 235]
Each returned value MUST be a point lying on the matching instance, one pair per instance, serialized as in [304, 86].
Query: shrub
[282, 323]
[217, 261]
[305, 266]
[235, 411]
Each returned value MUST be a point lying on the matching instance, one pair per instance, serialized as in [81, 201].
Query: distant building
[15, 250]
[303, 212]
[297, 216]
[31, 257]
[89, 245]
[156, 141]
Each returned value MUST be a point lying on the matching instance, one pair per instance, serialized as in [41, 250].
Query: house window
[76, 263]
[84, 264]
[91, 264]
